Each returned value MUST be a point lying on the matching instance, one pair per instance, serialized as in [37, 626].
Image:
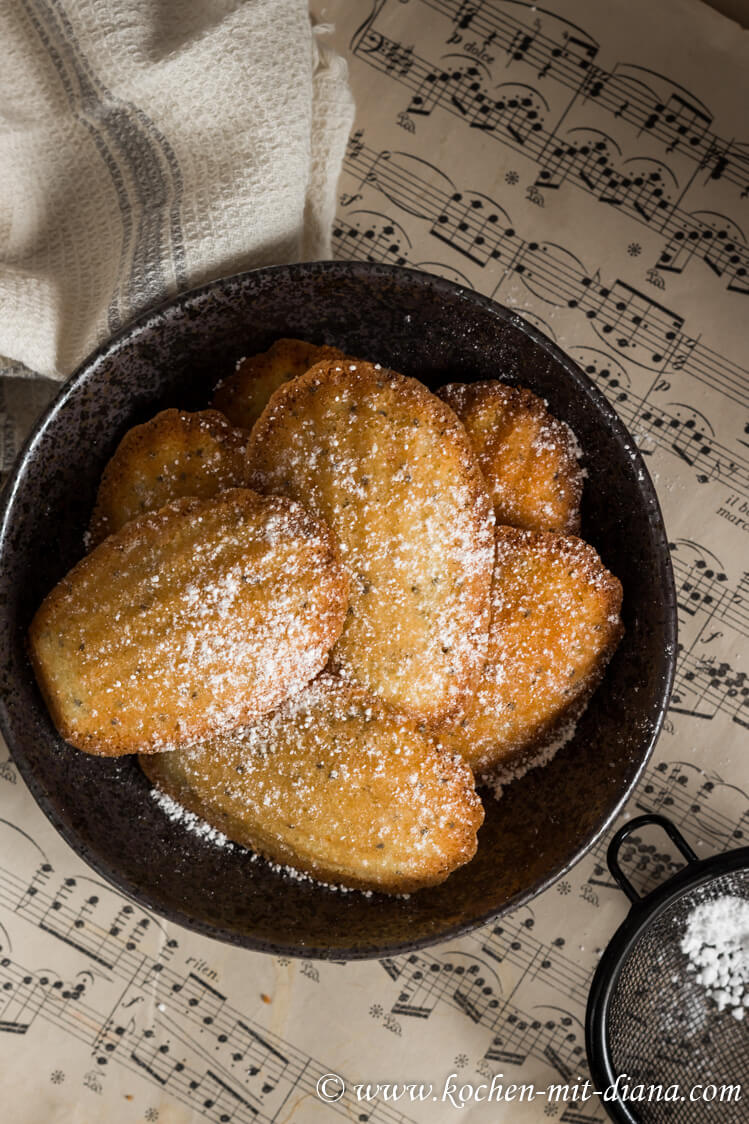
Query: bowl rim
[361, 270]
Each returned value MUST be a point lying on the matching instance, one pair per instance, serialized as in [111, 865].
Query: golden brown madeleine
[528, 457]
[555, 625]
[389, 467]
[245, 394]
[188, 621]
[172, 455]
[335, 784]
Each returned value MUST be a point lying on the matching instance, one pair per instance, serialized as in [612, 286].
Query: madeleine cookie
[189, 621]
[173, 455]
[555, 624]
[527, 456]
[245, 394]
[390, 469]
[336, 785]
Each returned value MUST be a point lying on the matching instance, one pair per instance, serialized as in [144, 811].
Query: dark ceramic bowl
[423, 326]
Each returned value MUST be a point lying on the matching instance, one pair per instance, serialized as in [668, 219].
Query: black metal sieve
[649, 1018]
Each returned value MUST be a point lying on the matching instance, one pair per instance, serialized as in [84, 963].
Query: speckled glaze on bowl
[423, 326]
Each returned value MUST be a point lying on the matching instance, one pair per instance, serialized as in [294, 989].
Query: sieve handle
[612, 855]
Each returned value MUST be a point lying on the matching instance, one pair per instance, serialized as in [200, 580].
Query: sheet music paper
[587, 164]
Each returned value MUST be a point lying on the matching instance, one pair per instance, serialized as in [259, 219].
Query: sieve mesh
[664, 1029]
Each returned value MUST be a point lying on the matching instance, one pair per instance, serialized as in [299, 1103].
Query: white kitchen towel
[147, 146]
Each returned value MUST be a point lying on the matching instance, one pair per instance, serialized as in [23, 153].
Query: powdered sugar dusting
[574, 447]
[554, 624]
[245, 394]
[389, 469]
[197, 826]
[174, 454]
[716, 941]
[529, 458]
[302, 876]
[503, 774]
[192, 823]
[337, 785]
[191, 620]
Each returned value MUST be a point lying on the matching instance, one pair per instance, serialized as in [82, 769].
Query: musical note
[701, 584]
[674, 427]
[674, 117]
[21, 998]
[625, 319]
[517, 118]
[733, 610]
[501, 146]
[701, 804]
[465, 14]
[180, 1033]
[225, 1103]
[512, 941]
[706, 686]
[371, 236]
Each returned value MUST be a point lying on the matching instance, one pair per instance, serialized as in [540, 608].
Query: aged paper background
[577, 162]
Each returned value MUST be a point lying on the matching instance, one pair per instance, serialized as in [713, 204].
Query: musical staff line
[668, 787]
[184, 1008]
[589, 164]
[461, 981]
[707, 685]
[679, 124]
[687, 795]
[630, 323]
[502, 146]
[676, 428]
